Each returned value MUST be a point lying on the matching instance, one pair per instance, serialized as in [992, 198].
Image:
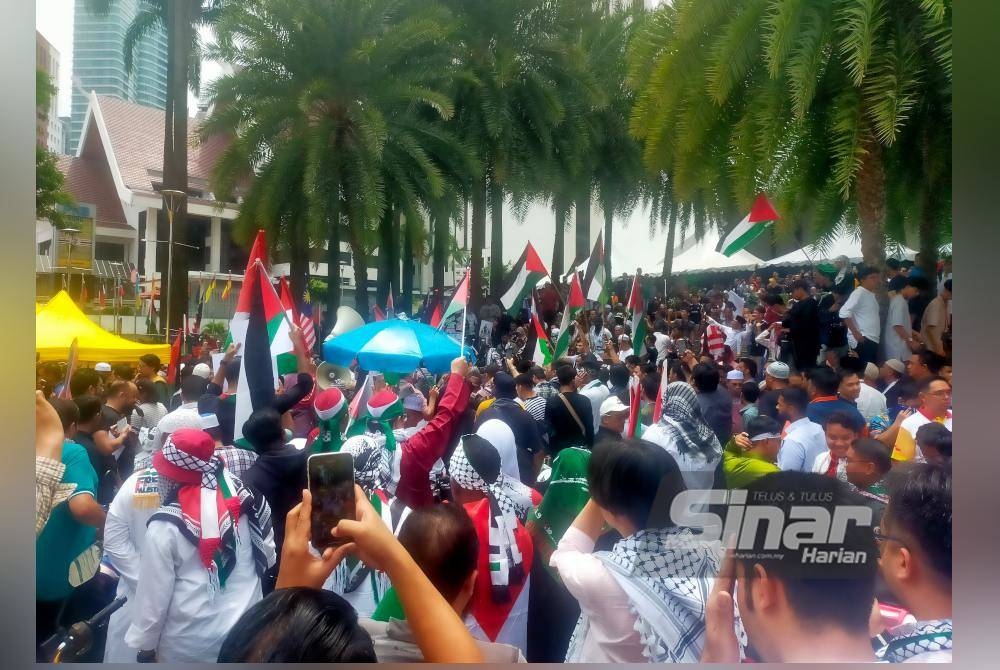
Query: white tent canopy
[702, 257]
[689, 257]
[844, 244]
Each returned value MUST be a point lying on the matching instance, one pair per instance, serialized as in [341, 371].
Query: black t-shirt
[564, 431]
[832, 331]
[917, 305]
[104, 466]
[694, 313]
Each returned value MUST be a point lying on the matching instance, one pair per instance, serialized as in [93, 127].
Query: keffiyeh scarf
[372, 465]
[207, 514]
[682, 420]
[505, 560]
[910, 640]
[667, 574]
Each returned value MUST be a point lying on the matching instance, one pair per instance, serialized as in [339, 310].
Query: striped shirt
[535, 406]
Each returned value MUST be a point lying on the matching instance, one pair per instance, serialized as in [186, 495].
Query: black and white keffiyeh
[372, 465]
[910, 640]
[506, 562]
[683, 421]
[668, 575]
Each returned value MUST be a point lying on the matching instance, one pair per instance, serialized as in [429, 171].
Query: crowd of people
[590, 509]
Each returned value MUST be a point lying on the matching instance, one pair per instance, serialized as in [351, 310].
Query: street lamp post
[173, 199]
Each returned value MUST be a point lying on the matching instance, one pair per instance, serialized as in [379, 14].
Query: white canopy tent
[844, 244]
[689, 257]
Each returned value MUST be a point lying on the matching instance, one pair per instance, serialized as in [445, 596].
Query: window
[109, 251]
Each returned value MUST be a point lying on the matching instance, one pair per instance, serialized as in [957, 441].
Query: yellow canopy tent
[60, 320]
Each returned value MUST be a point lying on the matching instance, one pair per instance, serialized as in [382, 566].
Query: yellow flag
[210, 289]
[228, 288]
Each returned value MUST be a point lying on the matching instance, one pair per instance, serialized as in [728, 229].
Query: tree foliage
[51, 196]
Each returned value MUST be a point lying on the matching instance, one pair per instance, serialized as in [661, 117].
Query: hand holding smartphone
[331, 483]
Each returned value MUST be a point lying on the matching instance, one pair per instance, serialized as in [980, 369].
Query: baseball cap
[102, 367]
[778, 370]
[734, 375]
[202, 370]
[897, 365]
[613, 404]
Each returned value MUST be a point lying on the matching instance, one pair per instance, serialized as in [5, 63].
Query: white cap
[734, 375]
[102, 367]
[202, 370]
[613, 404]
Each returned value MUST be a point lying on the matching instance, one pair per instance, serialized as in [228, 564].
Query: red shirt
[420, 452]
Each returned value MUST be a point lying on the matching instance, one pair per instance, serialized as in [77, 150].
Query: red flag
[287, 301]
[102, 298]
[379, 314]
[258, 250]
[390, 309]
[84, 296]
[658, 407]
[436, 314]
[175, 354]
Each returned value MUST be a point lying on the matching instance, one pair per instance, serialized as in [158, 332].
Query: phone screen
[331, 483]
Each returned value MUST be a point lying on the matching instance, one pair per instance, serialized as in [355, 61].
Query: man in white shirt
[898, 326]
[803, 441]
[591, 387]
[200, 569]
[869, 401]
[860, 315]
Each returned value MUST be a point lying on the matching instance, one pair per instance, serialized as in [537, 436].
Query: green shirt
[64, 538]
[741, 469]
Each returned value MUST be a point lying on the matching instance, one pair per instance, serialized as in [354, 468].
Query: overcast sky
[633, 246]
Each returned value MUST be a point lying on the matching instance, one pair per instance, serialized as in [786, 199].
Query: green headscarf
[567, 494]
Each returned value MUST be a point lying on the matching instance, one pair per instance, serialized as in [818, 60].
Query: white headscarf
[499, 434]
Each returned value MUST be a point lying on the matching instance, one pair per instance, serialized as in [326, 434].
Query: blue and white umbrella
[396, 345]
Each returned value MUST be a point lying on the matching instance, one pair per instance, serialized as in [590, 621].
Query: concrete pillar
[150, 270]
[215, 245]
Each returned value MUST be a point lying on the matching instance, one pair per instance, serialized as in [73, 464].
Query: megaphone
[347, 320]
[328, 374]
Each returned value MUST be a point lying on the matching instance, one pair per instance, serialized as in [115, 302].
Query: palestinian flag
[543, 348]
[287, 362]
[281, 342]
[638, 308]
[526, 274]
[594, 278]
[357, 411]
[634, 407]
[459, 301]
[574, 303]
[265, 335]
[761, 215]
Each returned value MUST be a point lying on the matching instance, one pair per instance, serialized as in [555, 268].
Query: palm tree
[181, 20]
[804, 99]
[512, 66]
[348, 85]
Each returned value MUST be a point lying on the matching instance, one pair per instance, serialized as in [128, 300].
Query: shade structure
[844, 244]
[59, 321]
[702, 257]
[395, 345]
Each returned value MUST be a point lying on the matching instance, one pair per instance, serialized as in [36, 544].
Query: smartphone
[331, 483]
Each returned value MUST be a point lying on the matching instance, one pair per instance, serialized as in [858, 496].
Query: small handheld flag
[761, 215]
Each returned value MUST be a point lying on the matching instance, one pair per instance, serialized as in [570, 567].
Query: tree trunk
[175, 154]
[930, 235]
[559, 243]
[478, 240]
[439, 223]
[333, 266]
[609, 225]
[582, 225]
[387, 236]
[871, 203]
[360, 261]
[668, 252]
[496, 240]
[409, 264]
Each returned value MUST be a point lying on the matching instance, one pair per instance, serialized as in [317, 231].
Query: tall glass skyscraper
[99, 64]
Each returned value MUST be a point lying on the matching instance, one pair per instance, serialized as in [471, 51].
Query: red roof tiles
[89, 181]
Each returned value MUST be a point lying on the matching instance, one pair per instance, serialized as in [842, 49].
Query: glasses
[881, 537]
[943, 393]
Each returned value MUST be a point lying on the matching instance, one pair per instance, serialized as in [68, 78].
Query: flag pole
[465, 316]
